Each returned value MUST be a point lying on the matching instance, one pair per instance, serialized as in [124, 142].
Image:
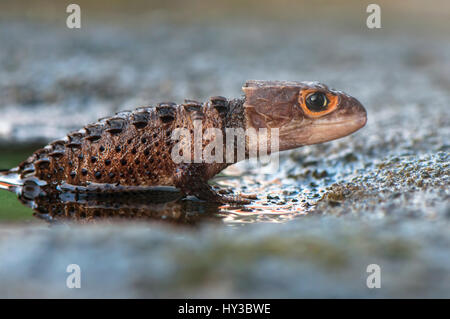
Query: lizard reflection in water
[152, 205]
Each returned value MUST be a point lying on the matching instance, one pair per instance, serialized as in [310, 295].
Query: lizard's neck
[235, 116]
[239, 120]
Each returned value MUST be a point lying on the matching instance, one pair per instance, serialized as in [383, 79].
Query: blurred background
[138, 52]
[378, 196]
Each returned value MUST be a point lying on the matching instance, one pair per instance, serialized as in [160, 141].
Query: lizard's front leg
[187, 179]
[206, 192]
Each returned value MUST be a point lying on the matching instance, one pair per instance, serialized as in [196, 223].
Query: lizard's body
[134, 148]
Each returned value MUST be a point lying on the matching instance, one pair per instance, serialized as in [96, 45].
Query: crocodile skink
[133, 149]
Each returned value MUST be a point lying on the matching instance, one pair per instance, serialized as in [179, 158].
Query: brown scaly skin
[133, 149]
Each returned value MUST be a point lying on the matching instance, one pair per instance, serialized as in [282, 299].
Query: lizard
[132, 150]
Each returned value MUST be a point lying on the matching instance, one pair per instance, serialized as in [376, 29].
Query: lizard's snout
[356, 112]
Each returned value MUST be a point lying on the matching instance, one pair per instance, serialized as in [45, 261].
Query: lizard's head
[304, 112]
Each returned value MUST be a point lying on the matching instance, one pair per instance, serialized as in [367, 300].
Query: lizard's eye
[316, 102]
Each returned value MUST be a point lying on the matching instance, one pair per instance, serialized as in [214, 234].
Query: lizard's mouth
[320, 131]
[330, 129]
[356, 122]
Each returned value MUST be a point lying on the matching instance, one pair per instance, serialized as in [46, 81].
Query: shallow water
[378, 196]
[160, 205]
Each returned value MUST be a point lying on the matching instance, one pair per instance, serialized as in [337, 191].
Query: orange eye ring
[330, 106]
